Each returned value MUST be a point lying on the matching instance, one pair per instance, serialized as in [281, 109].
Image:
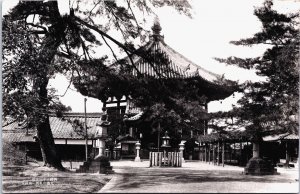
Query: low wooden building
[235, 148]
[69, 140]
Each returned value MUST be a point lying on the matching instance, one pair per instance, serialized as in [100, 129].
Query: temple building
[165, 63]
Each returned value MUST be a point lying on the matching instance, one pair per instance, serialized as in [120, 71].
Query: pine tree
[270, 106]
[39, 42]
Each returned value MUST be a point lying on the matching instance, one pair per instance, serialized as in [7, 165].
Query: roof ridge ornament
[156, 29]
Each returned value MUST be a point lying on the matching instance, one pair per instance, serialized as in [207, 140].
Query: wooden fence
[162, 159]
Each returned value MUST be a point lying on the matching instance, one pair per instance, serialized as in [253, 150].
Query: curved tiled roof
[282, 137]
[175, 64]
[61, 128]
[135, 117]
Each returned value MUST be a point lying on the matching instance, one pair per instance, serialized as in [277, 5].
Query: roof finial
[156, 28]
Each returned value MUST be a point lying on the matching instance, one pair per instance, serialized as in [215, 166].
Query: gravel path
[196, 177]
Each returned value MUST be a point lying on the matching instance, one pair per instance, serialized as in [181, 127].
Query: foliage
[271, 105]
[30, 26]
[14, 156]
[38, 43]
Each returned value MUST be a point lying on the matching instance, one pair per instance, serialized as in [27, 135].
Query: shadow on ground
[135, 178]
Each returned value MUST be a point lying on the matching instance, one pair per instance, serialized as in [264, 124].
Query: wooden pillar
[209, 153]
[180, 159]
[104, 105]
[160, 158]
[206, 121]
[205, 152]
[247, 154]
[223, 153]
[118, 106]
[230, 157]
[213, 148]
[287, 155]
[200, 153]
[241, 150]
[150, 159]
[172, 158]
[234, 150]
[164, 157]
[26, 153]
[218, 152]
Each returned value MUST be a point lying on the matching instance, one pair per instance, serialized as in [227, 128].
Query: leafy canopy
[272, 105]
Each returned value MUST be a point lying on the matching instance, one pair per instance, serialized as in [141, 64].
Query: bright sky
[207, 35]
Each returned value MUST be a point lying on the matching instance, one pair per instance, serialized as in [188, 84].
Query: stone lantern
[165, 146]
[101, 135]
[181, 148]
[166, 141]
[137, 147]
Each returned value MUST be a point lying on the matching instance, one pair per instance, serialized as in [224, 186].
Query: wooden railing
[162, 159]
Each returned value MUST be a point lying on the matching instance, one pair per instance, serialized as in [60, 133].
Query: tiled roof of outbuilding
[61, 128]
[282, 137]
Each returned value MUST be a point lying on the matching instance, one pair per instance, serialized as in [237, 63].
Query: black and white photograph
[150, 96]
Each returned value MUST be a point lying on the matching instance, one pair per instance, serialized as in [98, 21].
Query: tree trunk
[50, 156]
[44, 133]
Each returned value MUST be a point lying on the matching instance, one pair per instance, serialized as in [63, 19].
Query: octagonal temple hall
[156, 59]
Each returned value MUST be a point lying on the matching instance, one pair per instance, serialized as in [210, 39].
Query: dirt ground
[196, 177]
[137, 177]
[33, 178]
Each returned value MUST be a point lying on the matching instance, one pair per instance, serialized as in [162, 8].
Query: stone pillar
[181, 148]
[255, 150]
[102, 135]
[101, 147]
[137, 147]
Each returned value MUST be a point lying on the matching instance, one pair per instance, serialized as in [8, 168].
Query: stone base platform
[259, 166]
[100, 164]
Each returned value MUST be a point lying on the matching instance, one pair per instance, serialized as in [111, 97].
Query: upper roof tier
[158, 59]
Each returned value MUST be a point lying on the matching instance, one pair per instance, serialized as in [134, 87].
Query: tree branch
[109, 48]
[128, 51]
[72, 74]
[128, 3]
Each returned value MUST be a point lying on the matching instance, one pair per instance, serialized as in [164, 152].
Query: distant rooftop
[62, 129]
